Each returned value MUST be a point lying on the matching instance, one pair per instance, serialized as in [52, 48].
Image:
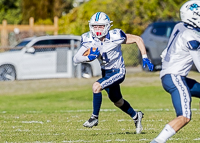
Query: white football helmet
[190, 13]
[100, 18]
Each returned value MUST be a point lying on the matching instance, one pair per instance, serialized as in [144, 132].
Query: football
[87, 52]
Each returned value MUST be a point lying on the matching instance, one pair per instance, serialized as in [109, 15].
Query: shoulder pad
[191, 37]
[86, 35]
[117, 33]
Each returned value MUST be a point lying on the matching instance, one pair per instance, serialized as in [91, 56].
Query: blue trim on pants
[180, 93]
[112, 79]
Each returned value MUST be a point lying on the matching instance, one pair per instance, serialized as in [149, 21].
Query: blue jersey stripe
[97, 16]
[194, 44]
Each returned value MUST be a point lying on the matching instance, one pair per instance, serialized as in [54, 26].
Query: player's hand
[147, 62]
[93, 54]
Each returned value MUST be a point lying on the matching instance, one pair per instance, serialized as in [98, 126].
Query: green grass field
[53, 110]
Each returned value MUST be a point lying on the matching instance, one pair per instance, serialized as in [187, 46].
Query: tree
[132, 16]
[44, 9]
[10, 10]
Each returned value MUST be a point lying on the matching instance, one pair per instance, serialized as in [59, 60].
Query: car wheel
[7, 72]
[146, 68]
[86, 71]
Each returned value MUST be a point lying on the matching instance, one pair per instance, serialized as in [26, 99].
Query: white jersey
[110, 49]
[182, 51]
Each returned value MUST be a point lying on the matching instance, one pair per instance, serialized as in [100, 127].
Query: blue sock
[195, 91]
[97, 99]
[126, 107]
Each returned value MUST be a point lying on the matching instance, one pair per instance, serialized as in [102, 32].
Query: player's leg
[181, 99]
[109, 77]
[194, 87]
[111, 82]
[97, 99]
[116, 97]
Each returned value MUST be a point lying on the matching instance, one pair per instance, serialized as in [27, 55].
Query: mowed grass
[53, 110]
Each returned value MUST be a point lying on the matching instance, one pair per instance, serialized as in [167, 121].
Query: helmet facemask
[101, 31]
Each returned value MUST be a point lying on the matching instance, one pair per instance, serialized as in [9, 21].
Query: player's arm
[196, 58]
[130, 39]
[86, 55]
[78, 57]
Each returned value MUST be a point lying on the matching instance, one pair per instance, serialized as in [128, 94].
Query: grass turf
[35, 111]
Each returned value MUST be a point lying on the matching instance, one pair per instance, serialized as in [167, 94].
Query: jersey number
[167, 57]
[105, 58]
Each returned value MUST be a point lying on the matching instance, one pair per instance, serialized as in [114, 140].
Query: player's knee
[119, 103]
[184, 120]
[96, 88]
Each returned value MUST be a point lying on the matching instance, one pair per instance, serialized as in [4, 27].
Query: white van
[45, 57]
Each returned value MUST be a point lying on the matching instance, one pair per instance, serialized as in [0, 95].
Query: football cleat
[93, 121]
[138, 122]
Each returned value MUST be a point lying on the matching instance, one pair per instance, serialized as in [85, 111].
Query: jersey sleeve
[117, 37]
[193, 45]
[195, 53]
[122, 34]
[78, 57]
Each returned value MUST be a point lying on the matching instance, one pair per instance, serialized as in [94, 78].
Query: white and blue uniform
[177, 59]
[112, 66]
[110, 58]
[109, 55]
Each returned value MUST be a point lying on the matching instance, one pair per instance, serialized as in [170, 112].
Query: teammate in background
[108, 52]
[182, 51]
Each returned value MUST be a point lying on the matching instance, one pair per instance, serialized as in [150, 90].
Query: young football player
[182, 51]
[108, 51]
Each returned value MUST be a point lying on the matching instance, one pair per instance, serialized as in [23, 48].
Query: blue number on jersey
[167, 57]
[114, 31]
[193, 45]
[105, 58]
[175, 34]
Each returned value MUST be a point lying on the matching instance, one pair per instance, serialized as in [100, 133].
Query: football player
[108, 51]
[182, 51]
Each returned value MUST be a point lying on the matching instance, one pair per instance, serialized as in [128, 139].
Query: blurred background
[21, 19]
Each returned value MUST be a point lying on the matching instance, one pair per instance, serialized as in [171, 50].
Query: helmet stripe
[97, 16]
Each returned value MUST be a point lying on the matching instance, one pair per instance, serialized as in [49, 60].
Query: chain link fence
[50, 53]
[130, 51]
[131, 55]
